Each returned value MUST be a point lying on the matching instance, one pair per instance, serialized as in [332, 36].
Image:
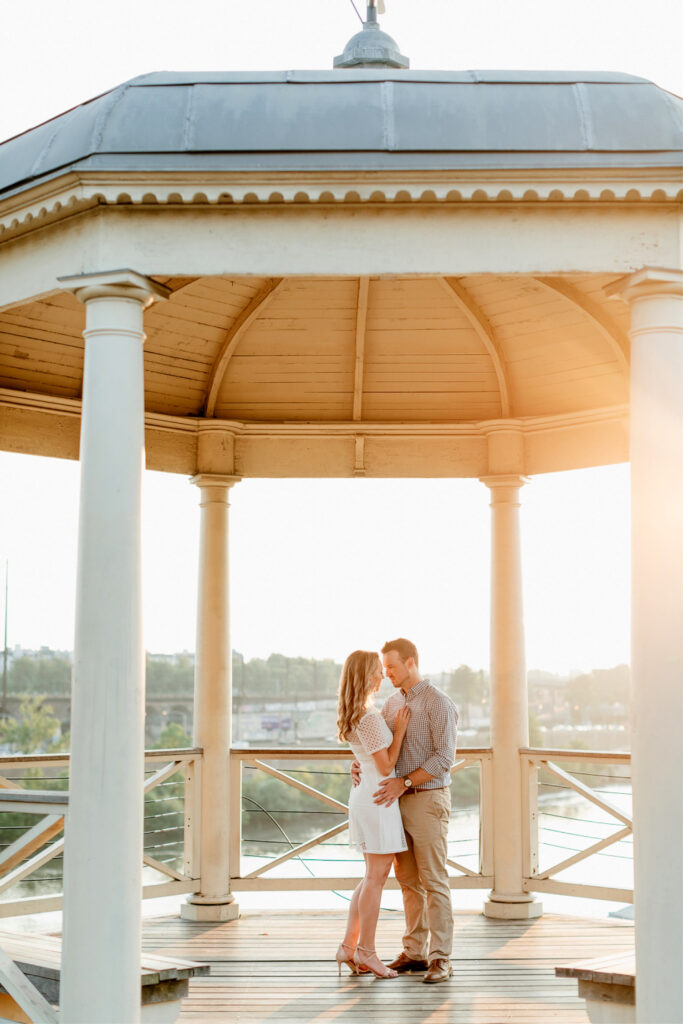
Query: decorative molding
[239, 428]
[75, 192]
[123, 283]
[359, 366]
[493, 480]
[486, 334]
[616, 338]
[647, 281]
[214, 480]
[359, 462]
[233, 337]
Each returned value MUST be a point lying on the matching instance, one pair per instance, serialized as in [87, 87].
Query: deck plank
[278, 967]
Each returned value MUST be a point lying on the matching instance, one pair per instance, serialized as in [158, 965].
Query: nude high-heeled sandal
[364, 963]
[346, 958]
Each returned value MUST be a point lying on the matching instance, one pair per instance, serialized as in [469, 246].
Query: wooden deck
[279, 967]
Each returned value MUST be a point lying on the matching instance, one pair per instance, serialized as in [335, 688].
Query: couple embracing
[399, 808]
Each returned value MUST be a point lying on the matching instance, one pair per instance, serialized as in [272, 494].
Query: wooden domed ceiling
[420, 349]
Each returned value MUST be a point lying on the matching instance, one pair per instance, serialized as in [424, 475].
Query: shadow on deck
[279, 967]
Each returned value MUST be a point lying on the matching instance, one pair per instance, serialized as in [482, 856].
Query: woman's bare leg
[377, 868]
[353, 919]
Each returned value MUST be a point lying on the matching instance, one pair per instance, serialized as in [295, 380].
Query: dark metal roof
[368, 119]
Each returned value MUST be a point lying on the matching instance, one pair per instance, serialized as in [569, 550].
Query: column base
[508, 911]
[195, 909]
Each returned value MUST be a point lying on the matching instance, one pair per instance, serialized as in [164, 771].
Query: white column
[656, 300]
[509, 705]
[213, 704]
[104, 831]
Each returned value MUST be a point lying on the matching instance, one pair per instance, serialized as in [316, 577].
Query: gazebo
[368, 271]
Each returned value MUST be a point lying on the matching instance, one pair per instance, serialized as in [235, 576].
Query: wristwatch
[407, 782]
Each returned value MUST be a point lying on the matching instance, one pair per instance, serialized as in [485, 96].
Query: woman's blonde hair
[354, 690]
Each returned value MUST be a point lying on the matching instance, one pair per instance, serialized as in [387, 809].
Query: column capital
[119, 284]
[214, 480]
[505, 480]
[646, 282]
[505, 447]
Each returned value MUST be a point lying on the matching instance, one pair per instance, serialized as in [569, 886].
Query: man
[422, 784]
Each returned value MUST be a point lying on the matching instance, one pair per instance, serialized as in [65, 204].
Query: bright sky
[316, 568]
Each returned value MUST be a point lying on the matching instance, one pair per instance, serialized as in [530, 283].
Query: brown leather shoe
[403, 963]
[439, 969]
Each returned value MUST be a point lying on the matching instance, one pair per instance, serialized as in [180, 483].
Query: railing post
[235, 817]
[485, 817]
[530, 816]
[193, 821]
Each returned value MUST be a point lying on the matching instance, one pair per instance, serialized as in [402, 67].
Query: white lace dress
[373, 828]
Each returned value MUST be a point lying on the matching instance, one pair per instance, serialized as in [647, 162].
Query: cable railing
[579, 826]
[288, 819]
[289, 810]
[31, 855]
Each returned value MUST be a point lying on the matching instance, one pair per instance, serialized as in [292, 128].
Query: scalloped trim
[21, 217]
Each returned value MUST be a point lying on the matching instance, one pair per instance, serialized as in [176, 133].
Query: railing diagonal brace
[163, 774]
[583, 854]
[299, 785]
[8, 783]
[31, 865]
[462, 868]
[588, 793]
[32, 840]
[464, 762]
[298, 850]
[164, 869]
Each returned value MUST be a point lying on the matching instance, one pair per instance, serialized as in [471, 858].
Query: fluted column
[509, 704]
[213, 704]
[104, 830]
[656, 300]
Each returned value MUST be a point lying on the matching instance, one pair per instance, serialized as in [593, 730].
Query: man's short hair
[404, 648]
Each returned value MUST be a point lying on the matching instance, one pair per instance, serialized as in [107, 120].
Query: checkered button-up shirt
[429, 742]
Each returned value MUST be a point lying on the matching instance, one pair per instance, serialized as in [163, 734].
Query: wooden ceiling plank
[40, 382]
[361, 321]
[617, 339]
[33, 355]
[233, 337]
[483, 328]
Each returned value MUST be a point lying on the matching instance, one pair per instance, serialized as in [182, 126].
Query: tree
[599, 696]
[34, 731]
[172, 737]
[582, 697]
[48, 674]
[536, 735]
[467, 686]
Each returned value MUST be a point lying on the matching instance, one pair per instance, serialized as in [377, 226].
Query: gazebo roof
[375, 119]
[369, 269]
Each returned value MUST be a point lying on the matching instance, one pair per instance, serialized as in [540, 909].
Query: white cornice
[74, 192]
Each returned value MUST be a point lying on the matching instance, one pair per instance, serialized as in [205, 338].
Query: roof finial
[371, 47]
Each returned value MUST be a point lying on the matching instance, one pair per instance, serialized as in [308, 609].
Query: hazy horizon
[321, 568]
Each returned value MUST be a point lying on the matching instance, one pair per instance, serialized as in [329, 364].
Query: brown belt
[433, 789]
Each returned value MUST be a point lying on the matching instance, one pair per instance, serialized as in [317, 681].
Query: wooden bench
[163, 981]
[608, 984]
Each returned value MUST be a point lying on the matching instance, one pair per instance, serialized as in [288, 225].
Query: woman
[376, 830]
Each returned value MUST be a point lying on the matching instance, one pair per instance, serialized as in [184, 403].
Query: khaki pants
[422, 874]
